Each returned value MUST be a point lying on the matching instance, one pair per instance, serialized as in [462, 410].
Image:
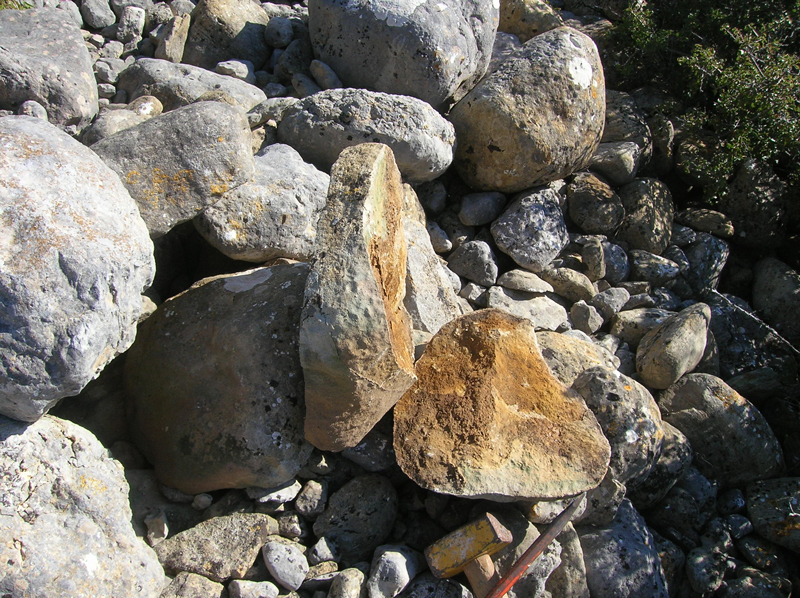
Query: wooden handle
[481, 575]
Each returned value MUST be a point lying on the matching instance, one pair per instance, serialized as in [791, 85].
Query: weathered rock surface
[355, 337]
[569, 578]
[673, 347]
[593, 205]
[527, 18]
[772, 506]
[74, 259]
[322, 125]
[675, 457]
[274, 215]
[177, 163]
[65, 519]
[233, 337]
[648, 215]
[541, 310]
[44, 59]
[632, 324]
[178, 85]
[480, 419]
[568, 357]
[776, 294]
[731, 439]
[431, 50]
[220, 548]
[536, 119]
[192, 585]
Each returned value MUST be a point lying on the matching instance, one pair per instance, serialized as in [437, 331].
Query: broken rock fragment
[355, 337]
[487, 419]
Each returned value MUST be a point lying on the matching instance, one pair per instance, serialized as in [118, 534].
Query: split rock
[355, 337]
[536, 119]
[233, 337]
[75, 258]
[481, 419]
[274, 215]
[179, 162]
[65, 519]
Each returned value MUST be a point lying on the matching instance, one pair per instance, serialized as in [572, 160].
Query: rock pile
[387, 269]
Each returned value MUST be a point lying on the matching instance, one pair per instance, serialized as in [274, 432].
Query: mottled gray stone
[45, 59]
[568, 580]
[475, 261]
[179, 162]
[241, 588]
[478, 209]
[536, 119]
[617, 161]
[278, 33]
[324, 75]
[545, 313]
[286, 563]
[392, 568]
[522, 280]
[171, 39]
[428, 586]
[773, 507]
[97, 13]
[321, 126]
[569, 283]
[75, 259]
[707, 256]
[131, 24]
[776, 295]
[532, 229]
[431, 50]
[233, 336]
[239, 69]
[705, 569]
[349, 584]
[567, 356]
[610, 301]
[618, 266]
[110, 122]
[732, 441]
[192, 585]
[648, 215]
[593, 205]
[274, 215]
[658, 271]
[65, 519]
[181, 84]
[585, 317]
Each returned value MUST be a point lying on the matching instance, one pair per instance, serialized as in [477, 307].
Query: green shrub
[15, 4]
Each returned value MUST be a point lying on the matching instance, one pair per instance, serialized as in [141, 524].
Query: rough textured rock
[480, 419]
[65, 519]
[179, 162]
[569, 578]
[178, 85]
[772, 506]
[675, 457]
[569, 283]
[593, 205]
[74, 259]
[673, 347]
[776, 294]
[233, 337]
[632, 324]
[430, 50]
[45, 59]
[532, 229]
[274, 215]
[355, 337]
[621, 559]
[220, 548]
[322, 125]
[536, 119]
[648, 215]
[110, 122]
[428, 586]
[707, 256]
[172, 39]
[527, 18]
[567, 356]
[731, 439]
[475, 261]
[192, 585]
[541, 310]
[617, 161]
[225, 29]
[359, 517]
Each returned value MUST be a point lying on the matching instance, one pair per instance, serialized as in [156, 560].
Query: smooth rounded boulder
[75, 257]
[538, 118]
[433, 50]
[487, 419]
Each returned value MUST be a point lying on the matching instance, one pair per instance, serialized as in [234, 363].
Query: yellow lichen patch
[92, 485]
[132, 178]
[218, 189]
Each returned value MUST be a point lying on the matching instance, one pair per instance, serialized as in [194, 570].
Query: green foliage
[735, 65]
[14, 4]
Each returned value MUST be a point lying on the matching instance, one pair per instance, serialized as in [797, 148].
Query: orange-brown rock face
[487, 419]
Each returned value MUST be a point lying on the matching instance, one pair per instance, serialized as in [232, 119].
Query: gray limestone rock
[286, 564]
[171, 39]
[632, 324]
[75, 261]
[97, 13]
[585, 317]
[478, 209]
[349, 583]
[45, 59]
[234, 337]
[610, 301]
[434, 51]
[219, 548]
[570, 284]
[177, 163]
[392, 568]
[674, 347]
[707, 256]
[625, 121]
[355, 336]
[192, 585]
[618, 266]
[242, 588]
[617, 161]
[568, 580]
[274, 215]
[65, 519]
[532, 229]
[428, 586]
[658, 271]
[567, 356]
[181, 84]
[475, 261]
[621, 559]
[731, 440]
[536, 119]
[593, 205]
[322, 125]
[278, 32]
[225, 29]
[648, 215]
[359, 517]
[544, 312]
[522, 280]
[110, 122]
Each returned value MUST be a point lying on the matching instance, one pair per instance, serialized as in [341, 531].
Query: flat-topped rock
[486, 415]
[355, 337]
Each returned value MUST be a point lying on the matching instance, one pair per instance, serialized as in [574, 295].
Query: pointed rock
[355, 337]
[487, 419]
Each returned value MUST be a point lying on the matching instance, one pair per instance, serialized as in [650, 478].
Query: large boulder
[433, 50]
[177, 163]
[177, 85]
[487, 419]
[323, 124]
[44, 58]
[74, 259]
[536, 119]
[776, 295]
[355, 338]
[65, 519]
[215, 385]
[274, 215]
